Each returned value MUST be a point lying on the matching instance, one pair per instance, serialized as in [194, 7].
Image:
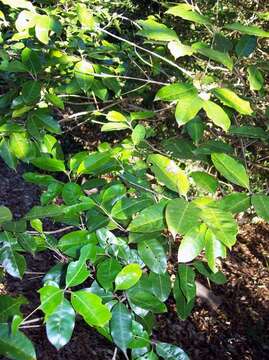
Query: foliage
[122, 207]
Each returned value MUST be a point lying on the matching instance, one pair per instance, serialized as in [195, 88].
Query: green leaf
[215, 55]
[170, 352]
[85, 17]
[13, 263]
[247, 29]
[221, 223]
[83, 73]
[231, 169]
[181, 216]
[7, 155]
[20, 145]
[218, 277]
[43, 117]
[149, 220]
[261, 205]
[153, 30]
[116, 116]
[42, 28]
[187, 108]
[60, 325]
[126, 207]
[49, 164]
[146, 300]
[107, 272]
[77, 271]
[177, 49]
[175, 92]
[50, 297]
[254, 132]
[90, 307]
[71, 193]
[45, 211]
[31, 91]
[23, 4]
[128, 277]
[138, 134]
[205, 181]
[185, 12]
[5, 214]
[229, 98]
[168, 173]
[153, 255]
[187, 281]
[140, 336]
[246, 45]
[195, 129]
[183, 307]
[121, 326]
[10, 306]
[114, 126]
[213, 249]
[217, 115]
[192, 244]
[55, 100]
[16, 346]
[235, 202]
[160, 285]
[255, 78]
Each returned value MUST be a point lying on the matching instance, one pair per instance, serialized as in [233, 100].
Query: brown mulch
[237, 330]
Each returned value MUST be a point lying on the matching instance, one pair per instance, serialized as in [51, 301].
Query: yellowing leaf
[231, 99]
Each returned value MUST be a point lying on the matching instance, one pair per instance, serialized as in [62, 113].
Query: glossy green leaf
[187, 281]
[181, 216]
[231, 169]
[255, 78]
[170, 352]
[261, 205]
[153, 255]
[20, 145]
[149, 220]
[90, 307]
[60, 325]
[13, 263]
[16, 346]
[160, 285]
[114, 126]
[175, 92]
[128, 277]
[146, 300]
[6, 154]
[247, 29]
[187, 108]
[217, 115]
[186, 12]
[151, 29]
[107, 272]
[192, 244]
[50, 298]
[231, 99]
[218, 277]
[71, 193]
[121, 326]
